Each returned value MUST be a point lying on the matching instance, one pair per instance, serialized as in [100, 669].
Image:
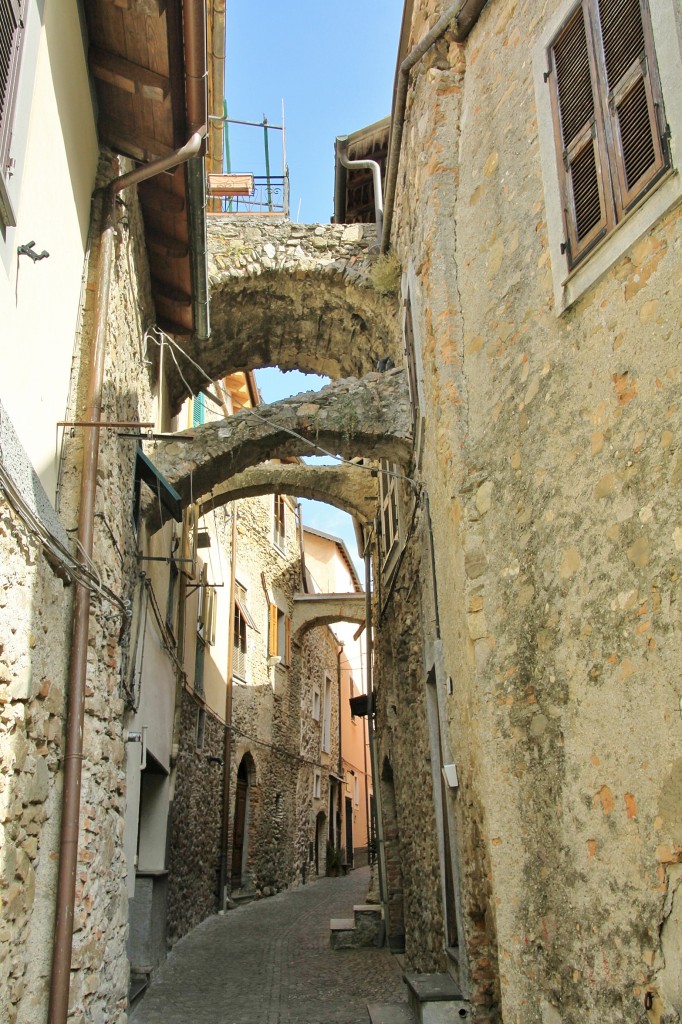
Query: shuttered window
[608, 117]
[11, 39]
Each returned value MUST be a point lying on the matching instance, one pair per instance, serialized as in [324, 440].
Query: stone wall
[34, 629]
[35, 646]
[404, 763]
[552, 467]
[195, 822]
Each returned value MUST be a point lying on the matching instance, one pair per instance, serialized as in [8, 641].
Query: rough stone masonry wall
[553, 470]
[195, 823]
[34, 628]
[99, 976]
[314, 656]
[404, 740]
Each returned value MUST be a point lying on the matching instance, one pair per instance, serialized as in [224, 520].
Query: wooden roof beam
[129, 140]
[152, 8]
[131, 78]
[166, 245]
[166, 292]
[160, 199]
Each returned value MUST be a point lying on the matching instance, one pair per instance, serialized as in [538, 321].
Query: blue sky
[333, 65]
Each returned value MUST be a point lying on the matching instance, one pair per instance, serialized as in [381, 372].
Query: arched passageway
[345, 487]
[294, 296]
[371, 418]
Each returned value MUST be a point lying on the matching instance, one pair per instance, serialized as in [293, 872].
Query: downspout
[342, 157]
[196, 93]
[73, 757]
[465, 14]
[373, 753]
[218, 127]
[338, 680]
[227, 753]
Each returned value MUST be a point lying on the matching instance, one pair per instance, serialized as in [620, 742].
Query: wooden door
[239, 826]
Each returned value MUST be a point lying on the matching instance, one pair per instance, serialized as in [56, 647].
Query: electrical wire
[85, 573]
[338, 459]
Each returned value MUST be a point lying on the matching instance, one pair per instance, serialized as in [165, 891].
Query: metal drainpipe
[373, 758]
[465, 13]
[227, 753]
[73, 757]
[341, 147]
[338, 680]
[196, 98]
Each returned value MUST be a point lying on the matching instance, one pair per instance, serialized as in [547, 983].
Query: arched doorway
[240, 831]
[320, 836]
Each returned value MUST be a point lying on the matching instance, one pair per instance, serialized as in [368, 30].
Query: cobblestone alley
[270, 963]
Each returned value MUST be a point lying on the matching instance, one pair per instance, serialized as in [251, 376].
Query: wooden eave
[137, 67]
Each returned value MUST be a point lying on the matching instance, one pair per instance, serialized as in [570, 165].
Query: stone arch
[350, 489]
[294, 296]
[370, 418]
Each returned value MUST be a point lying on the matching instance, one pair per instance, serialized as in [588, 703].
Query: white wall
[56, 153]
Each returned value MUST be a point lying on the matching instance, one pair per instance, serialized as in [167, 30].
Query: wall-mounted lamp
[28, 250]
[213, 759]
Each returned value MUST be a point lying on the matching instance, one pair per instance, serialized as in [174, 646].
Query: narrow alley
[270, 962]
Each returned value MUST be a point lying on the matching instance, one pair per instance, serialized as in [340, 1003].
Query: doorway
[239, 832]
[349, 831]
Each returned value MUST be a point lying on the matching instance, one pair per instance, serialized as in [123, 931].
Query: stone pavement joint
[270, 962]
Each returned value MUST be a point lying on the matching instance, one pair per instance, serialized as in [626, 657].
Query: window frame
[570, 284]
[279, 522]
[8, 109]
[279, 634]
[389, 513]
[601, 133]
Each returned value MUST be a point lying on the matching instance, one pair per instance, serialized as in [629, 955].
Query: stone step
[390, 1013]
[436, 999]
[361, 931]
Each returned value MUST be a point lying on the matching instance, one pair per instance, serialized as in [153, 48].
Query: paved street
[270, 963]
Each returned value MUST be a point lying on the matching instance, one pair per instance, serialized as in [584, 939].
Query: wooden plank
[127, 76]
[173, 248]
[127, 139]
[161, 199]
[169, 294]
[174, 327]
[150, 8]
[230, 184]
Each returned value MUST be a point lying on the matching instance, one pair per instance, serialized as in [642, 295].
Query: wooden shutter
[287, 640]
[11, 39]
[272, 630]
[633, 98]
[579, 134]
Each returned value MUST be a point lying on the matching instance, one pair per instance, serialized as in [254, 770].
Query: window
[609, 124]
[198, 410]
[388, 496]
[317, 786]
[279, 634]
[316, 704]
[206, 623]
[239, 633]
[356, 791]
[11, 43]
[280, 522]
